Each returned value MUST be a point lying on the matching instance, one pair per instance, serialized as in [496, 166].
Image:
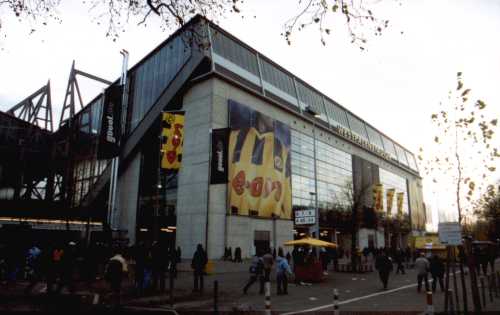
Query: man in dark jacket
[256, 271]
[437, 272]
[399, 256]
[198, 264]
[384, 266]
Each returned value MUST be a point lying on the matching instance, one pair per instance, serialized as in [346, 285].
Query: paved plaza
[357, 293]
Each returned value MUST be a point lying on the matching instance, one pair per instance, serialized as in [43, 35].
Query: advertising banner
[401, 196]
[110, 122]
[378, 200]
[220, 144]
[390, 199]
[259, 164]
[172, 137]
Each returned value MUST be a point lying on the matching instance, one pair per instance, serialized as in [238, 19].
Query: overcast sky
[395, 85]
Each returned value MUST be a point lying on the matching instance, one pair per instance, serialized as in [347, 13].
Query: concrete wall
[192, 193]
[241, 229]
[127, 194]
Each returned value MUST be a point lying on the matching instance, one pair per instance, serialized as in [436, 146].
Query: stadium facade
[205, 140]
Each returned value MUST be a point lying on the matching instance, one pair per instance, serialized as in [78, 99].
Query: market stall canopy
[428, 242]
[311, 242]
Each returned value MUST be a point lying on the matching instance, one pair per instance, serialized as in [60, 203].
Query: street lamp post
[315, 115]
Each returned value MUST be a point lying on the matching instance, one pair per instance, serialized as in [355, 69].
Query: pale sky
[395, 85]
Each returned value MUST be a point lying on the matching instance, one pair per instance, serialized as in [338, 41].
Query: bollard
[268, 298]
[450, 299]
[489, 288]
[483, 292]
[335, 302]
[429, 308]
[216, 296]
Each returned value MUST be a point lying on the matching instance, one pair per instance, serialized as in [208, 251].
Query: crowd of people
[61, 265]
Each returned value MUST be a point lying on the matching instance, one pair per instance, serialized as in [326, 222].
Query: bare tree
[464, 152]
[463, 156]
[359, 19]
[116, 14]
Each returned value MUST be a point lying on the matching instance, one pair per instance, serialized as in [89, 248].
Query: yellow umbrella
[310, 241]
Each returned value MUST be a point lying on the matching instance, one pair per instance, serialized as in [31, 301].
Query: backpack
[257, 266]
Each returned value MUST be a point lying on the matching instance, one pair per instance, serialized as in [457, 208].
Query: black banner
[110, 123]
[220, 142]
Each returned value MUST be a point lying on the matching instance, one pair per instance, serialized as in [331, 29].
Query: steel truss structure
[36, 109]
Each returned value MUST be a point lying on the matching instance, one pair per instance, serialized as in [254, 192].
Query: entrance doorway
[262, 241]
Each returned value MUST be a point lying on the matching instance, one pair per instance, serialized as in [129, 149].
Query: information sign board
[450, 233]
[305, 216]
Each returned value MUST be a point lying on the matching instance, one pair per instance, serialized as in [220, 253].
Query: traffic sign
[450, 233]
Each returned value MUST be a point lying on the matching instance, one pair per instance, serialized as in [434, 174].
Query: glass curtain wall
[334, 175]
[157, 199]
[87, 167]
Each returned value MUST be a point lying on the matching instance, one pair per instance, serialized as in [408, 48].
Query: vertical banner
[110, 122]
[401, 196]
[172, 137]
[218, 167]
[259, 164]
[378, 199]
[390, 199]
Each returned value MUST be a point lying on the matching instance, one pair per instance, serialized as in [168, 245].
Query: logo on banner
[172, 139]
[110, 126]
[218, 170]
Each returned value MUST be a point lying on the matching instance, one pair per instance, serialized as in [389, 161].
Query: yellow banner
[401, 196]
[390, 199]
[259, 164]
[378, 200]
[172, 139]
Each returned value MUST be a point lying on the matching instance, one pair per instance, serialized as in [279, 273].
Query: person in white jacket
[422, 266]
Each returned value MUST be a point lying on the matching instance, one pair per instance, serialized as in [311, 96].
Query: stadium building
[205, 140]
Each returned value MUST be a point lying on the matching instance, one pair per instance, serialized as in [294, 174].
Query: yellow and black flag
[378, 200]
[390, 199]
[172, 135]
[401, 196]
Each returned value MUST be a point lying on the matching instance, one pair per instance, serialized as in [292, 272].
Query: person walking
[268, 264]
[422, 266]
[140, 254]
[384, 266]
[159, 263]
[256, 269]
[34, 263]
[437, 272]
[116, 270]
[282, 269]
[399, 261]
[198, 264]
[68, 267]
